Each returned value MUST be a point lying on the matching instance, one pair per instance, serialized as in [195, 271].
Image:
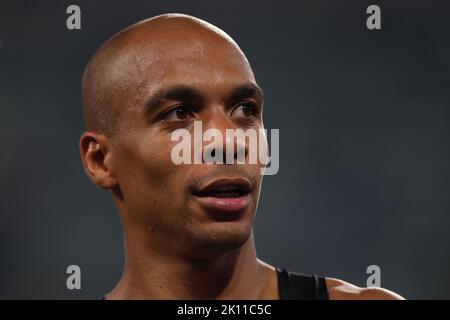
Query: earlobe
[94, 153]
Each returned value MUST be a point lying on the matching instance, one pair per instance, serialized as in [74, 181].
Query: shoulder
[342, 290]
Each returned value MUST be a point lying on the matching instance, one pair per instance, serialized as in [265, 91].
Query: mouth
[230, 195]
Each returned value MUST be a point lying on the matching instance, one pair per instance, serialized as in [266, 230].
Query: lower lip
[226, 205]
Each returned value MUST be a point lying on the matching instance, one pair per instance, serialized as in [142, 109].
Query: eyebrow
[176, 93]
[249, 90]
[184, 92]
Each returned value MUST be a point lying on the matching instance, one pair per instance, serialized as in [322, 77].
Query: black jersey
[297, 286]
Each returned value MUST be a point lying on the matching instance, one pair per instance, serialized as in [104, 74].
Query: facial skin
[200, 70]
[156, 76]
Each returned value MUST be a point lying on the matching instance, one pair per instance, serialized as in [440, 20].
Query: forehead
[206, 63]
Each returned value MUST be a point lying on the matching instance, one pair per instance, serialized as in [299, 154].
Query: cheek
[147, 173]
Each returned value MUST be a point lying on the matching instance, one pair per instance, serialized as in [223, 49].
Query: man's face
[179, 83]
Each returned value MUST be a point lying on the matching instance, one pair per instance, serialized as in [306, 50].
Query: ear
[96, 159]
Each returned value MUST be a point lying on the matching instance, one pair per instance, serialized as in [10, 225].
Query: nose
[221, 144]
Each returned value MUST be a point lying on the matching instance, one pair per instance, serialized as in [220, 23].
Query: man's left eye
[247, 109]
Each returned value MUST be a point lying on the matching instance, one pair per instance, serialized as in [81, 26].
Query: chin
[219, 237]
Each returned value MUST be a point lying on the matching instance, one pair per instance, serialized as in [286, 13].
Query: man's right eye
[179, 113]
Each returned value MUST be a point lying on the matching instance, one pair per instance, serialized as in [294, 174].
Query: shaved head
[131, 63]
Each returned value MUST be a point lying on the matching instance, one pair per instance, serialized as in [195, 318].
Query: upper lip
[241, 185]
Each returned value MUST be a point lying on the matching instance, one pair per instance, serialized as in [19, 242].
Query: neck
[235, 274]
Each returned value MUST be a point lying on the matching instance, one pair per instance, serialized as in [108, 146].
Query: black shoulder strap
[297, 286]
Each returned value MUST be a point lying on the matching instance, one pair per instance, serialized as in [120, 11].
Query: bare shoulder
[342, 290]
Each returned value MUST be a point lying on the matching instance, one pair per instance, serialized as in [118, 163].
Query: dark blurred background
[364, 119]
